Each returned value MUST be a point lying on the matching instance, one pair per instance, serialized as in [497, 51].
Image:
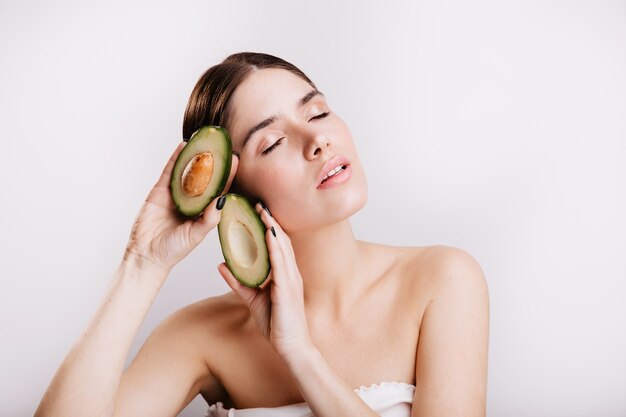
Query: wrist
[138, 266]
[302, 359]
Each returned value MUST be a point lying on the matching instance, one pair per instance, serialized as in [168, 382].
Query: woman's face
[285, 133]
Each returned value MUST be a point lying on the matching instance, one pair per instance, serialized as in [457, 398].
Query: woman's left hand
[278, 305]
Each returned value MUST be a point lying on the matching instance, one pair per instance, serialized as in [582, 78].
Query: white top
[389, 399]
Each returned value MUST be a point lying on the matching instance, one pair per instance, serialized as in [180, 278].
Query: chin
[356, 196]
[352, 200]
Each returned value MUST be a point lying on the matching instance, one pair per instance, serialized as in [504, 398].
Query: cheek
[276, 184]
[265, 184]
[342, 129]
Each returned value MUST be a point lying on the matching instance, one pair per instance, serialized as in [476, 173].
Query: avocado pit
[201, 170]
[197, 174]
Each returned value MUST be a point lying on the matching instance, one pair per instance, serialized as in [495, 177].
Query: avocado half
[242, 238]
[201, 170]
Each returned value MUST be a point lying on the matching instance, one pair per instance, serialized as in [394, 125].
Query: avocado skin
[197, 135]
[263, 264]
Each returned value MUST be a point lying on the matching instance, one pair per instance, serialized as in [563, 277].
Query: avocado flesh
[242, 238]
[208, 139]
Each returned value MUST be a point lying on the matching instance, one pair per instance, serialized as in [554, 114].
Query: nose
[316, 145]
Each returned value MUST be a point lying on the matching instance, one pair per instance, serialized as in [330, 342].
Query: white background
[494, 126]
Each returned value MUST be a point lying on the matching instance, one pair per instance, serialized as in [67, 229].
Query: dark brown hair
[210, 98]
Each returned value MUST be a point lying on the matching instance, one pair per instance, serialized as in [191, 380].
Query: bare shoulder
[212, 314]
[440, 266]
[456, 270]
[202, 330]
[208, 325]
[174, 359]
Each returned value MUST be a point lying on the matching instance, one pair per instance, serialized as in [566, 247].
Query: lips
[329, 165]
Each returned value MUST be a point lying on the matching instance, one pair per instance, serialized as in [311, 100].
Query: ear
[237, 188]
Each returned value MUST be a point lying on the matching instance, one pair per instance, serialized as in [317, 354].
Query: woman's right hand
[162, 237]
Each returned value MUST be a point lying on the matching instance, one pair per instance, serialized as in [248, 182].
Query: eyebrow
[265, 123]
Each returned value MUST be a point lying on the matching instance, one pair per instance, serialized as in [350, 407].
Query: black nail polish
[220, 202]
[265, 208]
[273, 231]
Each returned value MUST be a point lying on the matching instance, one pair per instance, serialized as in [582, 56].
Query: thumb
[209, 218]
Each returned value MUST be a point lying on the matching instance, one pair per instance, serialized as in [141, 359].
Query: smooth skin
[337, 313]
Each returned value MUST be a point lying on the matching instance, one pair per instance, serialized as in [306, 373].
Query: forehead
[263, 93]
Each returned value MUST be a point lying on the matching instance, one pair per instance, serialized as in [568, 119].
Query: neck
[329, 260]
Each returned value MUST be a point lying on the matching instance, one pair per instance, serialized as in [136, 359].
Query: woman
[344, 327]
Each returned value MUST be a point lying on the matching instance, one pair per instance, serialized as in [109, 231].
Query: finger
[233, 171]
[276, 252]
[164, 180]
[209, 218]
[278, 234]
[265, 283]
[161, 197]
[246, 293]
[289, 266]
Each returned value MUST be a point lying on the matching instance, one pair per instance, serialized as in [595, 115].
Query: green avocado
[242, 238]
[201, 170]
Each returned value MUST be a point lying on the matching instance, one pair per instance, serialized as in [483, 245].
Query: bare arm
[169, 370]
[88, 381]
[451, 363]
[326, 392]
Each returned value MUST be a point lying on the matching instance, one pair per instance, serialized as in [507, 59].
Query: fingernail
[265, 208]
[220, 202]
[273, 231]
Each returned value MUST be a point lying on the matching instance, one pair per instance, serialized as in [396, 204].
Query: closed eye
[271, 148]
[320, 116]
[279, 141]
